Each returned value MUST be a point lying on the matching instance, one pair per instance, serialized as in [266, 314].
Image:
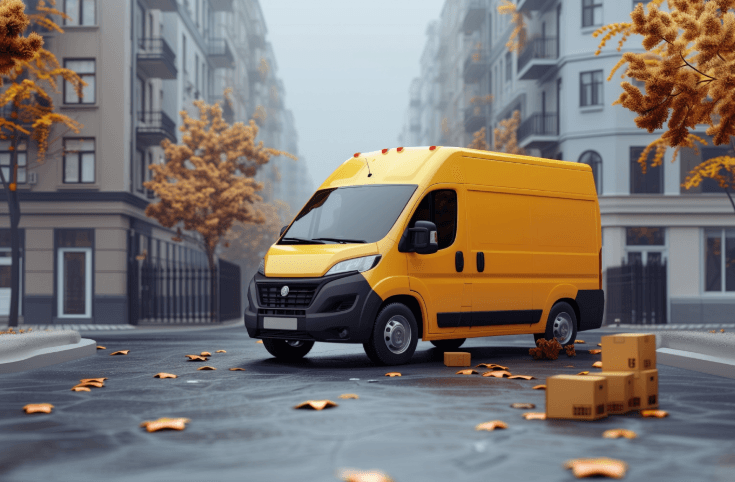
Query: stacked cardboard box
[634, 354]
[576, 397]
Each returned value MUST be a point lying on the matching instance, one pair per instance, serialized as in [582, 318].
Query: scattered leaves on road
[467, 372]
[97, 380]
[521, 377]
[619, 432]
[579, 342]
[165, 424]
[595, 352]
[205, 353]
[497, 373]
[540, 387]
[196, 358]
[570, 350]
[712, 331]
[237, 369]
[602, 466]
[90, 384]
[490, 426]
[207, 367]
[545, 349]
[259, 341]
[38, 408]
[654, 413]
[583, 373]
[121, 352]
[165, 375]
[527, 406]
[221, 351]
[568, 366]
[393, 374]
[349, 396]
[597, 364]
[599, 344]
[492, 366]
[352, 475]
[100, 347]
[316, 404]
[80, 389]
[534, 416]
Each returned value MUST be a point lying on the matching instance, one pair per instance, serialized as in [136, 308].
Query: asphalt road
[419, 427]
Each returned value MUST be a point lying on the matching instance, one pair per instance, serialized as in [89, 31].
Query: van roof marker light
[385, 151]
[431, 148]
[400, 149]
[357, 154]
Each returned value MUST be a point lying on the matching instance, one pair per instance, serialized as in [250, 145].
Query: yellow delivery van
[433, 243]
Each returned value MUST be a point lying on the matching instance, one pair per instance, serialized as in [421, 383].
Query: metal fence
[636, 293]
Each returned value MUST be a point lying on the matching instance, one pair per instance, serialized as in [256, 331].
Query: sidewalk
[127, 328]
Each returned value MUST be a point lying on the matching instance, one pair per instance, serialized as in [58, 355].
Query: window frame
[723, 266]
[22, 168]
[60, 282]
[79, 160]
[432, 213]
[80, 5]
[592, 93]
[591, 8]
[82, 100]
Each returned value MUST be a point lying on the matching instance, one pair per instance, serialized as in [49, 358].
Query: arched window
[594, 160]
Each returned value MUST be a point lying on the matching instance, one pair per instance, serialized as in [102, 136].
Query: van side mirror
[283, 230]
[423, 237]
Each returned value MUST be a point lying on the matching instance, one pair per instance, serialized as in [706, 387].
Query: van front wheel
[561, 324]
[394, 336]
[287, 350]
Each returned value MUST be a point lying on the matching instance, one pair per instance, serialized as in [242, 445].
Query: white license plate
[276, 323]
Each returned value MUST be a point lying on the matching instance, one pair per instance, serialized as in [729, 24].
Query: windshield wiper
[303, 240]
[342, 240]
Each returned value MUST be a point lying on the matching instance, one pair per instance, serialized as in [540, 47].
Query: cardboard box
[576, 397]
[457, 359]
[628, 352]
[619, 391]
[645, 390]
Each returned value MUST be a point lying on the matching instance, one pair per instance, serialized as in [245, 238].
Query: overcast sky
[346, 66]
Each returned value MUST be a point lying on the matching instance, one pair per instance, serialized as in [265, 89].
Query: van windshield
[352, 214]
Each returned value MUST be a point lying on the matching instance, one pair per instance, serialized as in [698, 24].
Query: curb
[697, 362]
[43, 357]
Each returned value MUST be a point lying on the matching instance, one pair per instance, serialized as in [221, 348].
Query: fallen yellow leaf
[712, 331]
[497, 374]
[595, 352]
[654, 413]
[540, 387]
[599, 344]
[80, 389]
[349, 396]
[522, 405]
[467, 372]
[350, 475]
[392, 374]
[97, 380]
[722, 330]
[38, 408]
[597, 364]
[600, 466]
[534, 416]
[492, 366]
[523, 377]
[220, 351]
[100, 347]
[579, 342]
[205, 353]
[237, 369]
[259, 341]
[90, 384]
[489, 426]
[619, 432]
[316, 404]
[165, 423]
[196, 358]
[121, 352]
[206, 368]
[583, 373]
[568, 366]
[165, 375]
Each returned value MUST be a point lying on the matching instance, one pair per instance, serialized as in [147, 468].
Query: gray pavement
[417, 427]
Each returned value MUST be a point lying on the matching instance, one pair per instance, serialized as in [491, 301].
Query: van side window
[439, 207]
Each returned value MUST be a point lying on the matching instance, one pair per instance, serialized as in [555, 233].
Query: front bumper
[323, 317]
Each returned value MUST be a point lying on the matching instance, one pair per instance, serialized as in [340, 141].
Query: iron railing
[636, 294]
[154, 126]
[538, 48]
[539, 124]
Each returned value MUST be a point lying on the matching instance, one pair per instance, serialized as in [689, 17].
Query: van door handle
[480, 262]
[459, 261]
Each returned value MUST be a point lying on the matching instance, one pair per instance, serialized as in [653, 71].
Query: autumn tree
[207, 182]
[519, 36]
[478, 140]
[687, 69]
[30, 75]
[506, 135]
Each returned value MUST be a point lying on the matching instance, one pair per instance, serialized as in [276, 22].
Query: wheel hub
[563, 328]
[397, 334]
[295, 343]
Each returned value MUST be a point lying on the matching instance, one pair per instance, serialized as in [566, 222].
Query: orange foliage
[14, 47]
[506, 135]
[519, 35]
[478, 141]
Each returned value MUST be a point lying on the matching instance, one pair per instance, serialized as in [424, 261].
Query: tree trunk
[14, 213]
[214, 282]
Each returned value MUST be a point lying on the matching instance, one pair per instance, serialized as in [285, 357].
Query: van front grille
[299, 296]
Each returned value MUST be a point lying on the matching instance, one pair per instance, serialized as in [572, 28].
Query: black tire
[287, 350]
[448, 345]
[562, 319]
[394, 337]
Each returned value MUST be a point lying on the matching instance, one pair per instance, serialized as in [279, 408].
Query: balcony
[474, 15]
[162, 5]
[531, 5]
[538, 58]
[153, 127]
[539, 131]
[221, 5]
[156, 59]
[475, 65]
[256, 40]
[219, 53]
[228, 113]
[475, 118]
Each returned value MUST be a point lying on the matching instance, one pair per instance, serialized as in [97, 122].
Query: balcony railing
[538, 48]
[153, 127]
[474, 15]
[163, 5]
[475, 65]
[156, 59]
[475, 117]
[219, 53]
[221, 5]
[530, 5]
[539, 124]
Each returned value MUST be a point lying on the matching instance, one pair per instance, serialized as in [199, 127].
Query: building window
[5, 155]
[140, 171]
[593, 159]
[183, 54]
[719, 260]
[591, 13]
[590, 88]
[652, 182]
[74, 273]
[78, 161]
[85, 68]
[508, 67]
[439, 207]
[80, 12]
[710, 185]
[644, 236]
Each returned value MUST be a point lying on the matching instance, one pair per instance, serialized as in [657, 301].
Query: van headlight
[357, 264]
[261, 267]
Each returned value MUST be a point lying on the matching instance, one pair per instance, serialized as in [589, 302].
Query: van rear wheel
[448, 345]
[394, 337]
[561, 324]
[287, 350]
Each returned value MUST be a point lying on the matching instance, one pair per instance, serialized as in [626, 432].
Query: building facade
[87, 245]
[559, 86]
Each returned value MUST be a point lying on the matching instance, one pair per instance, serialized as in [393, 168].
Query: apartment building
[560, 88]
[89, 253]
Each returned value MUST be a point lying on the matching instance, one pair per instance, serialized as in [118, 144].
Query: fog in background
[346, 66]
